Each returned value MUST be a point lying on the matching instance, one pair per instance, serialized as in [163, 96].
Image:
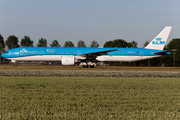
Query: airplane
[89, 56]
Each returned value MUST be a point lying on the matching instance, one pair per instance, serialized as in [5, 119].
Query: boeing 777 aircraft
[89, 56]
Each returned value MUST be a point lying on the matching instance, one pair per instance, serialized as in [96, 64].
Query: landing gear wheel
[92, 66]
[15, 66]
[88, 66]
[84, 66]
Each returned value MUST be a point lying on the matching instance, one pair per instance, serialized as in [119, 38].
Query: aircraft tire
[84, 66]
[91, 66]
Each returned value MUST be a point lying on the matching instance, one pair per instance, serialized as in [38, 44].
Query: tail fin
[160, 40]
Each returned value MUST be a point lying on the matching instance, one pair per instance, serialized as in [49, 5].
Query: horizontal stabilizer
[164, 52]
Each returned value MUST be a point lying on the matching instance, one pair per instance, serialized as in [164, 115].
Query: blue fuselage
[55, 53]
[34, 51]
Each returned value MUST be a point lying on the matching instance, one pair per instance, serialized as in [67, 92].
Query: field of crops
[89, 98]
[89, 73]
[114, 68]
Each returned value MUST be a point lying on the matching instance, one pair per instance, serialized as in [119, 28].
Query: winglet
[160, 40]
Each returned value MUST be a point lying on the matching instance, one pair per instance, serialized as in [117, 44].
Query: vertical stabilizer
[160, 40]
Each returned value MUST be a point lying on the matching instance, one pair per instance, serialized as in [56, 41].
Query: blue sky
[88, 20]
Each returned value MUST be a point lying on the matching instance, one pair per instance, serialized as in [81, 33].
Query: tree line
[13, 42]
[171, 60]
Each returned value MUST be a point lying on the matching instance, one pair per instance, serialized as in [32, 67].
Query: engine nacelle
[67, 60]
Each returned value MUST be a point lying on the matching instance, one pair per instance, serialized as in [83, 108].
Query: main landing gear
[88, 65]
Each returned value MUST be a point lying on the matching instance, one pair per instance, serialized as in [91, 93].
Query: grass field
[89, 98]
[54, 67]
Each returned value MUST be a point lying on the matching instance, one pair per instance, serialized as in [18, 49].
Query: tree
[81, 44]
[94, 44]
[68, 44]
[2, 46]
[26, 42]
[42, 43]
[12, 42]
[175, 44]
[133, 44]
[145, 44]
[116, 43]
[55, 43]
[108, 44]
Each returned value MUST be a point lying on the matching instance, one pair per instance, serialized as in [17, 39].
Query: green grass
[89, 98]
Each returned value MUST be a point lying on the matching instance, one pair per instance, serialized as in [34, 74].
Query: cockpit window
[6, 52]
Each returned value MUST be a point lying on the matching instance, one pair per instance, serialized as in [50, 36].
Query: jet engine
[67, 60]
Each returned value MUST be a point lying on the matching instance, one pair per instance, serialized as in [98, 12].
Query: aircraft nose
[4, 55]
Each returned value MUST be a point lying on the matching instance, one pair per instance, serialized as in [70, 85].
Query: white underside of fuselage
[99, 58]
[124, 58]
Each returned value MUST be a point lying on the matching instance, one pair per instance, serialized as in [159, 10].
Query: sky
[88, 20]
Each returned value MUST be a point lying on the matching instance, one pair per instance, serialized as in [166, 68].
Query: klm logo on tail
[158, 38]
[158, 42]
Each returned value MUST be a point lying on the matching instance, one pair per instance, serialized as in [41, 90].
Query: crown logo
[23, 50]
[158, 38]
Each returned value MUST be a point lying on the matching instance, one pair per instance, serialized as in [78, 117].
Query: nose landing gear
[14, 63]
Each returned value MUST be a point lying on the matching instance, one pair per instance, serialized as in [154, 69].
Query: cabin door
[17, 53]
[141, 53]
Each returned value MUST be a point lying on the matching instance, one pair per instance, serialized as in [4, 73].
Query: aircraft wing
[93, 55]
